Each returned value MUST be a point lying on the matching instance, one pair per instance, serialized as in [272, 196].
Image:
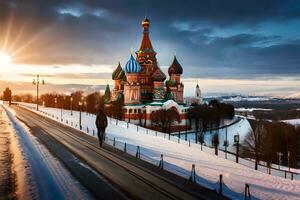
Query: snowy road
[180, 158]
[48, 178]
[138, 181]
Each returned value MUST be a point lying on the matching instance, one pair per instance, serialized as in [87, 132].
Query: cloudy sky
[249, 46]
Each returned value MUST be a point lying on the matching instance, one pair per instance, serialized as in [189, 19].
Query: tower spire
[146, 42]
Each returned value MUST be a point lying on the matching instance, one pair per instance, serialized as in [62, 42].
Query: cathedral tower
[146, 57]
[174, 85]
[119, 77]
[132, 87]
[158, 78]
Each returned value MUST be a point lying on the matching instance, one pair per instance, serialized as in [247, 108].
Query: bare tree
[254, 142]
[7, 95]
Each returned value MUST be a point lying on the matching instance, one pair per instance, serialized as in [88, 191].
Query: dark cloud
[103, 32]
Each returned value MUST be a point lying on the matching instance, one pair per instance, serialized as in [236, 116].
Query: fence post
[146, 131]
[137, 128]
[292, 176]
[189, 143]
[125, 147]
[127, 125]
[193, 174]
[247, 192]
[284, 174]
[71, 123]
[155, 133]
[161, 162]
[220, 184]
[93, 132]
[138, 153]
[87, 129]
[116, 122]
[178, 139]
[114, 141]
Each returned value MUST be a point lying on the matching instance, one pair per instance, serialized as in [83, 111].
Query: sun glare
[5, 59]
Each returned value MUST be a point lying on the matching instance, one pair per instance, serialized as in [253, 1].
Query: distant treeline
[269, 138]
[276, 115]
[90, 103]
[275, 104]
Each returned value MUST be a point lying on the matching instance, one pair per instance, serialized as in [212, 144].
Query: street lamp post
[226, 143]
[80, 103]
[288, 157]
[145, 116]
[71, 105]
[37, 83]
[55, 102]
[279, 158]
[237, 141]
[61, 110]
[85, 107]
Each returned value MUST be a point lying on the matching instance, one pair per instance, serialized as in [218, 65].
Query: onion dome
[132, 66]
[158, 76]
[118, 73]
[175, 67]
[145, 22]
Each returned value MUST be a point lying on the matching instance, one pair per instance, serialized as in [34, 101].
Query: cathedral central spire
[146, 42]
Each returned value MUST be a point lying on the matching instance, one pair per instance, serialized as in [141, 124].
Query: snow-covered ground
[48, 178]
[241, 127]
[250, 109]
[180, 156]
[246, 98]
[295, 122]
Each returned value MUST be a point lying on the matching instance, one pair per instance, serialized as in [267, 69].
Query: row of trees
[90, 103]
[164, 119]
[268, 139]
[208, 117]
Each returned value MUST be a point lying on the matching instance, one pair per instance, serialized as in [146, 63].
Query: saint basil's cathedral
[143, 87]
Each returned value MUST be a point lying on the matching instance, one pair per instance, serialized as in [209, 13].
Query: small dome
[158, 75]
[132, 66]
[175, 67]
[118, 73]
[146, 22]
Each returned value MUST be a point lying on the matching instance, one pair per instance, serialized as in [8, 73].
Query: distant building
[142, 85]
[195, 100]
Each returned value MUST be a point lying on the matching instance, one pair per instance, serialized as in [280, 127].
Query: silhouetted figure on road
[101, 123]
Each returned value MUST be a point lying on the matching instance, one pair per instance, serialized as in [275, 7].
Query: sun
[5, 59]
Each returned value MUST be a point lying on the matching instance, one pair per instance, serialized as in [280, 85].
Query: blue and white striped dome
[132, 66]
